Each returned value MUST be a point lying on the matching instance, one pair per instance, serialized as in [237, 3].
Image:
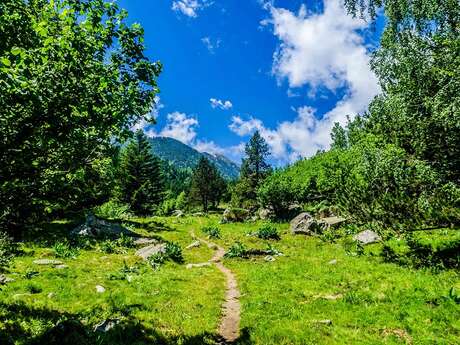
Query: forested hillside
[185, 157]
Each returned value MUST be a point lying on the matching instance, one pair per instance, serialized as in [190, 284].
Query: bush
[174, 252]
[156, 260]
[268, 232]
[125, 241]
[237, 250]
[212, 232]
[7, 250]
[63, 249]
[112, 210]
[108, 246]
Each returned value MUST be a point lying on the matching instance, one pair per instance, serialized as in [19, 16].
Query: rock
[141, 241]
[95, 227]
[5, 280]
[178, 213]
[203, 264]
[269, 258]
[100, 289]
[330, 297]
[294, 208]
[51, 295]
[198, 214]
[329, 222]
[61, 267]
[47, 262]
[367, 237]
[333, 262]
[148, 251]
[106, 325]
[232, 215]
[265, 214]
[304, 224]
[325, 322]
[193, 245]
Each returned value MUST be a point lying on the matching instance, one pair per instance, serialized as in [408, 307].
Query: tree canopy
[74, 77]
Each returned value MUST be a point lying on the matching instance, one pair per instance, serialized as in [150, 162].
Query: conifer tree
[141, 182]
[207, 184]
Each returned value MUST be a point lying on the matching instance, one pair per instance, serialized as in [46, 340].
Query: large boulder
[95, 227]
[331, 222]
[232, 215]
[304, 224]
[367, 237]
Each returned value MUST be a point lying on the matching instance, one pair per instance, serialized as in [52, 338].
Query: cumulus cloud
[321, 51]
[146, 121]
[189, 8]
[210, 44]
[218, 103]
[180, 127]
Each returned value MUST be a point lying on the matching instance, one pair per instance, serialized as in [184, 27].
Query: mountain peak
[185, 157]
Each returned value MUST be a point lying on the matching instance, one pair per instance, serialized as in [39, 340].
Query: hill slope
[183, 156]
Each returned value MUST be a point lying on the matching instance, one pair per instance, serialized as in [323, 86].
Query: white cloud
[217, 103]
[144, 122]
[180, 127]
[209, 147]
[322, 51]
[190, 8]
[210, 44]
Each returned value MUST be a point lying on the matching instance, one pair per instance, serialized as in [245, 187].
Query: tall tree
[254, 168]
[208, 185]
[74, 77]
[140, 179]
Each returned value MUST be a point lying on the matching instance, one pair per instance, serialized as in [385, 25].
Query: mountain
[183, 156]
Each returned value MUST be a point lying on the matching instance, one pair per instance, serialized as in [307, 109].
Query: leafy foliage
[74, 77]
[268, 232]
[140, 178]
[208, 185]
[212, 231]
[112, 210]
[63, 249]
[7, 250]
[237, 250]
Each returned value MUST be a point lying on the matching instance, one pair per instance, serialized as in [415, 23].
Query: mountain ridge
[183, 156]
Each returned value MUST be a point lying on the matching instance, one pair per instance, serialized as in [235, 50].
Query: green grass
[283, 302]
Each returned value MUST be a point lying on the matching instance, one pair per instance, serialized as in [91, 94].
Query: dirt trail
[229, 328]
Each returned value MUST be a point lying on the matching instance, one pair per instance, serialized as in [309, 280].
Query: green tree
[74, 77]
[140, 179]
[254, 169]
[208, 186]
[339, 137]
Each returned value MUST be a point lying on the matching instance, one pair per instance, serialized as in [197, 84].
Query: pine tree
[254, 168]
[208, 185]
[141, 182]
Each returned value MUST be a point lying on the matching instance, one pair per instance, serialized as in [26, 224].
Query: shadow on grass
[61, 328]
[421, 255]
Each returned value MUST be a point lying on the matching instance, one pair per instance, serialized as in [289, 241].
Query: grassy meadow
[317, 292]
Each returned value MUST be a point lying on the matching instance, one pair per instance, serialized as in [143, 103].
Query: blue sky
[288, 68]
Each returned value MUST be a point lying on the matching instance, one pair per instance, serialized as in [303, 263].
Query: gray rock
[304, 224]
[193, 245]
[324, 322]
[266, 214]
[178, 213]
[148, 251]
[333, 262]
[367, 237]
[61, 267]
[141, 241]
[51, 295]
[231, 215]
[5, 280]
[47, 262]
[95, 227]
[106, 325]
[203, 264]
[100, 289]
[329, 222]
[269, 258]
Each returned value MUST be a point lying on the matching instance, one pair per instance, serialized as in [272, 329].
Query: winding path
[229, 328]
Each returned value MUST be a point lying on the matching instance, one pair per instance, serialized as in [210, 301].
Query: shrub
[7, 250]
[63, 249]
[268, 232]
[156, 260]
[237, 250]
[112, 210]
[211, 231]
[125, 241]
[174, 252]
[108, 246]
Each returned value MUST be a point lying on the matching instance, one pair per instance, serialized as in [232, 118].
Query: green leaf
[5, 61]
